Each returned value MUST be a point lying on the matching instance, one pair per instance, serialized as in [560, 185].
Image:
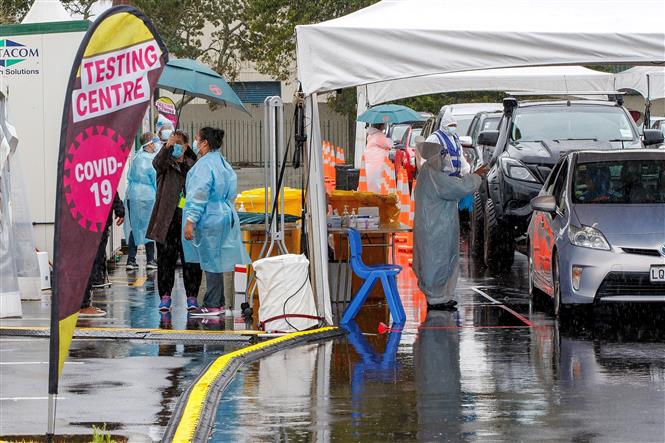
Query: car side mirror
[653, 137]
[466, 141]
[544, 203]
[488, 138]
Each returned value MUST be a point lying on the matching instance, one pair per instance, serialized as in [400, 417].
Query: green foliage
[270, 41]
[100, 435]
[13, 11]
[433, 103]
[181, 25]
[79, 7]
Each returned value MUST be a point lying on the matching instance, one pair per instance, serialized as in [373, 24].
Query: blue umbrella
[189, 77]
[390, 114]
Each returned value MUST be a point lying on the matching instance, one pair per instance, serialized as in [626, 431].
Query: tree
[271, 43]
[13, 11]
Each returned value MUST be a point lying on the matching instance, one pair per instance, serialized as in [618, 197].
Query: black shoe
[447, 306]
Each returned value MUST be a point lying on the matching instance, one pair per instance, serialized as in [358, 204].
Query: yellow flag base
[66, 328]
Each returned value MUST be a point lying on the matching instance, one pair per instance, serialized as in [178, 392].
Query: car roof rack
[616, 96]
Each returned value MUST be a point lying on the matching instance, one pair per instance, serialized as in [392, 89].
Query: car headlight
[516, 169]
[587, 237]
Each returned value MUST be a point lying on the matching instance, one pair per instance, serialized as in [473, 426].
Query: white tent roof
[396, 39]
[44, 11]
[560, 79]
[649, 81]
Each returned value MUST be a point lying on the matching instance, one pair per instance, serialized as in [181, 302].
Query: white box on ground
[44, 270]
[285, 293]
[239, 287]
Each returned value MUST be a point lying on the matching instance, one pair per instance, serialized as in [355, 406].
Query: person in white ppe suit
[447, 136]
[140, 198]
[436, 232]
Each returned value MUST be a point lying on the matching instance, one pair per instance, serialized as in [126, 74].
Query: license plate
[657, 274]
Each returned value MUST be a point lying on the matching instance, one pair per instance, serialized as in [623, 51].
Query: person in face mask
[164, 130]
[211, 224]
[436, 233]
[172, 164]
[140, 198]
[447, 137]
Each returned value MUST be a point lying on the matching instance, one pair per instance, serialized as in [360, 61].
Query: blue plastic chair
[371, 274]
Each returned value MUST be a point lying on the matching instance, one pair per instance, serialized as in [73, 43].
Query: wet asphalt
[500, 368]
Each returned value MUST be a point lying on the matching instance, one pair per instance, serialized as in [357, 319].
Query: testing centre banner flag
[115, 70]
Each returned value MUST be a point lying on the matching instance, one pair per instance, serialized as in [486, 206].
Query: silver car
[597, 233]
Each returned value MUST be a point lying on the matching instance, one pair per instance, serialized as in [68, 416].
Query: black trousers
[168, 253]
[98, 274]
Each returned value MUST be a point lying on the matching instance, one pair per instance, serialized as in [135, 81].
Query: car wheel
[477, 226]
[499, 243]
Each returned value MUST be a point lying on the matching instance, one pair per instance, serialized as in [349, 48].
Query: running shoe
[131, 265]
[205, 312]
[92, 311]
[192, 303]
[165, 303]
[152, 264]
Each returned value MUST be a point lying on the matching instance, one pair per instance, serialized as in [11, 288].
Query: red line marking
[526, 321]
[473, 327]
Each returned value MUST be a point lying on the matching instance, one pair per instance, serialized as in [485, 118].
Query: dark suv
[531, 137]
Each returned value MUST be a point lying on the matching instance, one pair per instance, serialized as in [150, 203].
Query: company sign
[13, 52]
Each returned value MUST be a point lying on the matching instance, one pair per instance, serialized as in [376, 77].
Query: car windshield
[463, 123]
[620, 182]
[582, 122]
[412, 139]
[398, 132]
[490, 123]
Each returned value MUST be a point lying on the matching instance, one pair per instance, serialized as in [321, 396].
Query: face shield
[435, 156]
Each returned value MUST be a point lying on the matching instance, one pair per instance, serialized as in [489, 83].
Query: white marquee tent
[398, 39]
[649, 81]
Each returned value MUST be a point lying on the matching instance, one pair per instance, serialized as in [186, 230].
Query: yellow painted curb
[191, 414]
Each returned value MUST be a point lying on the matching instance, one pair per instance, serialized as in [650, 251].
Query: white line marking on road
[28, 398]
[37, 363]
[477, 290]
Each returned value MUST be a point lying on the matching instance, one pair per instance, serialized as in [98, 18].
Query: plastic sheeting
[396, 39]
[284, 289]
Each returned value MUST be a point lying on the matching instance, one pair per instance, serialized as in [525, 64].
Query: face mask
[177, 151]
[195, 147]
[451, 130]
[166, 133]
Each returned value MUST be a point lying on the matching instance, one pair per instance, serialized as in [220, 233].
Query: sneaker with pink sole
[205, 311]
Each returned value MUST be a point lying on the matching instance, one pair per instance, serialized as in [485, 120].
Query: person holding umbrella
[376, 151]
[172, 164]
[378, 145]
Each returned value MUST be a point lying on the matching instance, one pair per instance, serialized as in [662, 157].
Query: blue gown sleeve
[199, 184]
[454, 188]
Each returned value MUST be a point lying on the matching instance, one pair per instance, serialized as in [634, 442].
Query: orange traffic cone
[404, 198]
[362, 182]
[392, 183]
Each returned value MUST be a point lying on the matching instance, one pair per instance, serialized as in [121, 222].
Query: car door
[551, 224]
[538, 234]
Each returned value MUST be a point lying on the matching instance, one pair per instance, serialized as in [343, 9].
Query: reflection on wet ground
[498, 369]
[129, 385]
